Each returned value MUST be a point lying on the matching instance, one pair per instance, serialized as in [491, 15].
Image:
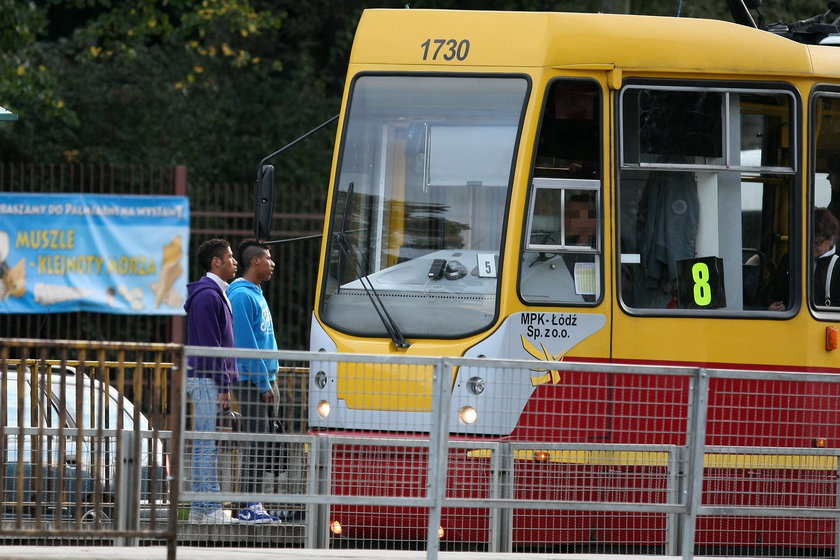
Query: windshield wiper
[387, 321]
[346, 248]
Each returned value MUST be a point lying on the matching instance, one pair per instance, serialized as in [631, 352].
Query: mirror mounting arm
[264, 195]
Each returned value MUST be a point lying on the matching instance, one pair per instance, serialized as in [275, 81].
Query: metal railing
[556, 485]
[602, 458]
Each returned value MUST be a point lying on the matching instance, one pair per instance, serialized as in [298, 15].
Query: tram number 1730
[445, 49]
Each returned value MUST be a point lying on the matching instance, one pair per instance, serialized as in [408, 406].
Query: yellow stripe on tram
[661, 458]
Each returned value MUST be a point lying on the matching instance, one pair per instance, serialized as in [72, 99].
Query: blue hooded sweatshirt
[209, 323]
[253, 327]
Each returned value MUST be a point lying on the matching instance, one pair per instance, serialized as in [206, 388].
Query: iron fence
[86, 446]
[216, 210]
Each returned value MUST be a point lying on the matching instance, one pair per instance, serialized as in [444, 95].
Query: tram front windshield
[417, 220]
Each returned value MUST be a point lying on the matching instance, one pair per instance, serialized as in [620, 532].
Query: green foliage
[160, 82]
[24, 70]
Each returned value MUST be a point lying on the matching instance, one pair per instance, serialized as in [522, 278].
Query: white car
[78, 452]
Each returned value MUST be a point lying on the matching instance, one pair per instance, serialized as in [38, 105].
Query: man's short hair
[247, 250]
[211, 249]
[825, 225]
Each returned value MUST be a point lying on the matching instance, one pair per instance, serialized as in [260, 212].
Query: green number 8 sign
[700, 283]
[702, 290]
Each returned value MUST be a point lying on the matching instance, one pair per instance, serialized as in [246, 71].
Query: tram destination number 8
[445, 49]
[700, 283]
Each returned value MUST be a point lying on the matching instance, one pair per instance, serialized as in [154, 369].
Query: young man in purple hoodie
[209, 323]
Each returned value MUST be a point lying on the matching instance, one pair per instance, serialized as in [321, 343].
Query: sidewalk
[193, 553]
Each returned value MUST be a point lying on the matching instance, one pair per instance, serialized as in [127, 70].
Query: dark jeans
[257, 417]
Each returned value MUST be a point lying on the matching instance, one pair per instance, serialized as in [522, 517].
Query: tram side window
[561, 260]
[703, 227]
[825, 178]
[569, 139]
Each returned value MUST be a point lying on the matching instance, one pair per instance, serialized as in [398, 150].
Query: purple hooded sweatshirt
[210, 323]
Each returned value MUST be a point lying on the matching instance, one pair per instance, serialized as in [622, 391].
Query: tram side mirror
[264, 202]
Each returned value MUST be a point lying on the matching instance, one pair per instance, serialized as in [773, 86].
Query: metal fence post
[501, 518]
[128, 491]
[837, 519]
[677, 487]
[438, 453]
[179, 188]
[696, 443]
[176, 424]
[317, 514]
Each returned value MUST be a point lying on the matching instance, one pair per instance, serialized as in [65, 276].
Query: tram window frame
[774, 106]
[555, 268]
[462, 303]
[568, 189]
[823, 161]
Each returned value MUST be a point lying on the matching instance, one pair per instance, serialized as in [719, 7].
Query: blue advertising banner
[101, 253]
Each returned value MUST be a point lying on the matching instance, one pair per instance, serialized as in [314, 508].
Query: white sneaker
[197, 517]
[219, 516]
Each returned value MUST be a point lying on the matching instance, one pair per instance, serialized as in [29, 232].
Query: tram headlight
[335, 527]
[467, 415]
[476, 385]
[321, 379]
[323, 409]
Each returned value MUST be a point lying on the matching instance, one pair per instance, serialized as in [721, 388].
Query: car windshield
[418, 217]
[104, 412]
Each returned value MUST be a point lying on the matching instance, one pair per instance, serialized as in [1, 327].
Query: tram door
[563, 264]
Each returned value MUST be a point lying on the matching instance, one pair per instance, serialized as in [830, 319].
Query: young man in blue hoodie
[256, 392]
[209, 323]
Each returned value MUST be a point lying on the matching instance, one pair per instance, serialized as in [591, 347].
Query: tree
[24, 72]
[161, 82]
